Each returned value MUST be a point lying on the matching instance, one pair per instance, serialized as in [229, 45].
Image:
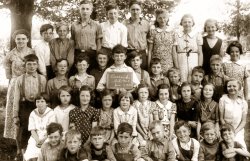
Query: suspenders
[22, 91]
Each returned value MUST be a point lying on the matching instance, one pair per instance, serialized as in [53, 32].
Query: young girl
[106, 115]
[210, 144]
[212, 45]
[234, 70]
[208, 109]
[85, 117]
[63, 109]
[233, 109]
[166, 110]
[230, 149]
[126, 112]
[60, 80]
[174, 77]
[38, 120]
[161, 41]
[187, 107]
[51, 150]
[144, 109]
[186, 148]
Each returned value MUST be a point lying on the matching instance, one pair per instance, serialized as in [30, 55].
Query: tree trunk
[21, 17]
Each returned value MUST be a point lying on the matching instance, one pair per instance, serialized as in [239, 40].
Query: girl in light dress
[63, 109]
[144, 109]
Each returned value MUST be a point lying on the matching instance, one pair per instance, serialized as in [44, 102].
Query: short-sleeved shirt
[137, 34]
[208, 112]
[83, 120]
[185, 42]
[166, 110]
[85, 36]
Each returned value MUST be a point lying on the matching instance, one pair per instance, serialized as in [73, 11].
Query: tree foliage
[239, 24]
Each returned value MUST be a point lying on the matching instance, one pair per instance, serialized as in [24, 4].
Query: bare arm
[198, 129]
[221, 111]
[246, 89]
[200, 55]
[242, 152]
[150, 49]
[243, 119]
[171, 127]
[174, 55]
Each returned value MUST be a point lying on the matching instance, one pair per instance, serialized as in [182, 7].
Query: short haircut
[187, 16]
[111, 6]
[159, 12]
[81, 58]
[154, 124]
[126, 95]
[45, 27]
[44, 96]
[162, 86]
[53, 127]
[119, 49]
[230, 80]
[185, 84]
[181, 123]
[125, 127]
[30, 57]
[135, 2]
[97, 130]
[104, 51]
[86, 2]
[106, 92]
[209, 125]
[143, 85]
[155, 61]
[20, 31]
[60, 60]
[215, 58]
[64, 88]
[133, 54]
[60, 24]
[198, 69]
[213, 21]
[226, 127]
[234, 44]
[71, 134]
[173, 70]
[85, 88]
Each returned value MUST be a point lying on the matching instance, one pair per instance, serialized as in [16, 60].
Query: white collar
[167, 106]
[130, 111]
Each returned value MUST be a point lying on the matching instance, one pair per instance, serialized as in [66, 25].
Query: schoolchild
[196, 81]
[174, 77]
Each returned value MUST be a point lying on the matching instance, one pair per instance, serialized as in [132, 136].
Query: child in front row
[159, 148]
[210, 144]
[196, 81]
[125, 150]
[186, 148]
[63, 109]
[51, 150]
[98, 149]
[156, 77]
[39, 119]
[231, 150]
[73, 150]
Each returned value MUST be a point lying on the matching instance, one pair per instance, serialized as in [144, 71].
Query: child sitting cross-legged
[159, 148]
[97, 148]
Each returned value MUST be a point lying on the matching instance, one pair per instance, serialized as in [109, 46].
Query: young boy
[42, 51]
[159, 148]
[113, 31]
[156, 76]
[230, 149]
[98, 149]
[119, 56]
[73, 151]
[196, 80]
[174, 77]
[28, 86]
[210, 144]
[60, 80]
[124, 150]
[186, 148]
[62, 47]
[216, 77]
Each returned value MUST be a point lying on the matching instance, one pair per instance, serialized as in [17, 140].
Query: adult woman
[233, 109]
[212, 45]
[187, 47]
[14, 67]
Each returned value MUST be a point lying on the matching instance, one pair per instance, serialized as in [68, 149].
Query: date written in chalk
[119, 80]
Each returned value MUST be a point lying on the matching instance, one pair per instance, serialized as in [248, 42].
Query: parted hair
[185, 84]
[20, 31]
[234, 44]
[30, 57]
[46, 27]
[187, 16]
[126, 94]
[213, 21]
[53, 127]
[119, 49]
[125, 127]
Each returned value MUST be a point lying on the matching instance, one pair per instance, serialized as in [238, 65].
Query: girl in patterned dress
[165, 110]
[234, 69]
[106, 115]
[144, 109]
[208, 109]
[161, 41]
